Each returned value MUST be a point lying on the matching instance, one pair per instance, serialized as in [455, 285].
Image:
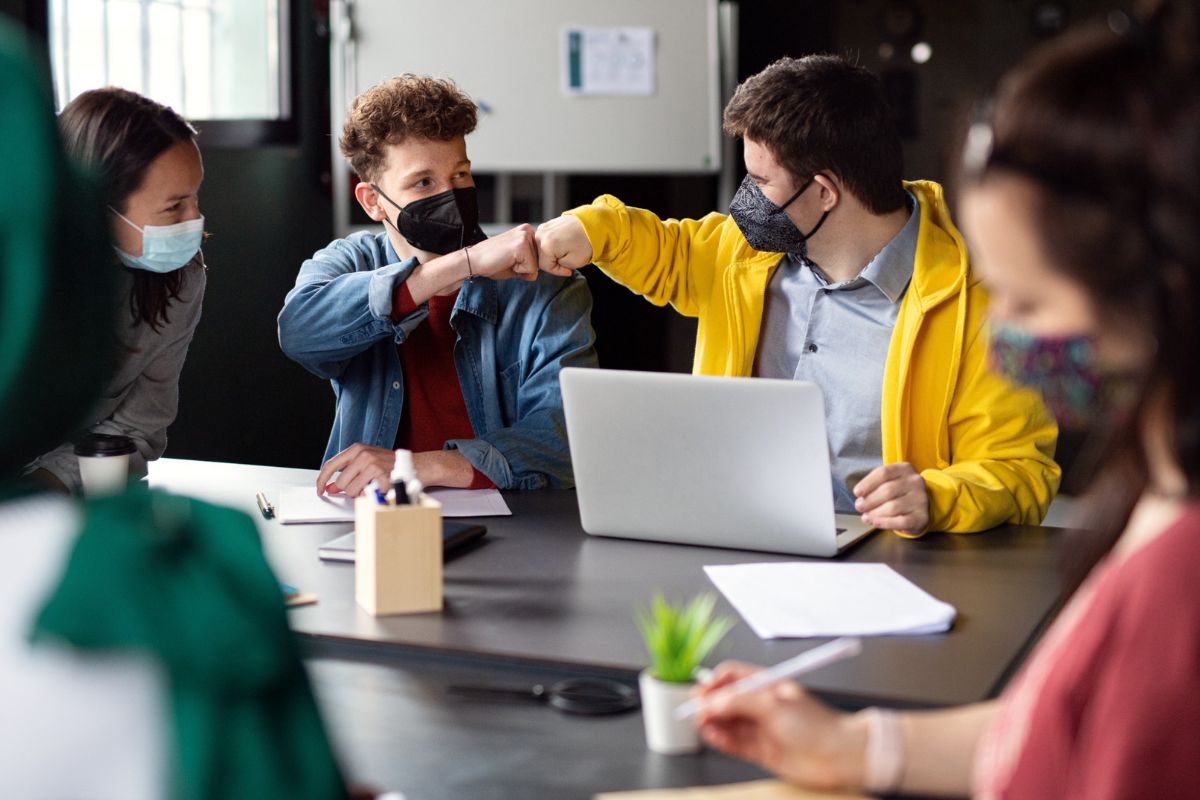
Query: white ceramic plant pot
[664, 733]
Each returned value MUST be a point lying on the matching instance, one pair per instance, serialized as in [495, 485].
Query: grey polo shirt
[837, 336]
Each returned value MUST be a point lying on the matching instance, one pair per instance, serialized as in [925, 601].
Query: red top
[434, 409]
[1109, 705]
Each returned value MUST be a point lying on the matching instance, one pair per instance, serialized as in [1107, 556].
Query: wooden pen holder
[398, 556]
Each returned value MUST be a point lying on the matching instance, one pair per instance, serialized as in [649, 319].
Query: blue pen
[380, 497]
[288, 589]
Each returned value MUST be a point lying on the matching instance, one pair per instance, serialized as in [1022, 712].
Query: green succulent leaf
[679, 637]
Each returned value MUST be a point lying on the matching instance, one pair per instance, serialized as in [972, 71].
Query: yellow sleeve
[665, 261]
[1002, 442]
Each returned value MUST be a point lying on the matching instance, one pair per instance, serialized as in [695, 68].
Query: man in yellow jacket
[831, 268]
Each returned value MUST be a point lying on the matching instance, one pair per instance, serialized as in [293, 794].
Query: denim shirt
[837, 335]
[512, 339]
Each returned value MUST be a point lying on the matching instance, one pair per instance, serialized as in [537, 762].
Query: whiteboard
[507, 55]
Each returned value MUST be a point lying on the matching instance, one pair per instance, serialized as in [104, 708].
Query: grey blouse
[142, 397]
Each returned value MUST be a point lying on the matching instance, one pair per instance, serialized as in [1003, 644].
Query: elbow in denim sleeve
[382, 290]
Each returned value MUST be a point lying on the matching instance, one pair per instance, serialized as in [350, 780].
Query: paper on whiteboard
[301, 504]
[608, 61]
[799, 599]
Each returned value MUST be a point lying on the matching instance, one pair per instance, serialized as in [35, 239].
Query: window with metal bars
[222, 64]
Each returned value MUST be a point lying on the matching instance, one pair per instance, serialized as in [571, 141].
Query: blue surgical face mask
[165, 248]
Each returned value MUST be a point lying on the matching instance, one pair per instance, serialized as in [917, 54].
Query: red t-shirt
[1109, 705]
[434, 409]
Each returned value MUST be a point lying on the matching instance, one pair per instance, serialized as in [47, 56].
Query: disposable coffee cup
[104, 463]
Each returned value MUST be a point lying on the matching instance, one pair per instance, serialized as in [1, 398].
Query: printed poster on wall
[608, 61]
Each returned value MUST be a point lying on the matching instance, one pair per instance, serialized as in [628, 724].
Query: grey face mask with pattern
[767, 226]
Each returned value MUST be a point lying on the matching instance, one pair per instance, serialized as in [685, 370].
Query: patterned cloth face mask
[1064, 369]
[165, 248]
[766, 226]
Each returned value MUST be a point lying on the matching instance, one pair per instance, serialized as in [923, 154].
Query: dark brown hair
[1106, 123]
[824, 114]
[405, 106]
[117, 134]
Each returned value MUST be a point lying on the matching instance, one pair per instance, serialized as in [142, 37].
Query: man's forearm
[444, 468]
[438, 276]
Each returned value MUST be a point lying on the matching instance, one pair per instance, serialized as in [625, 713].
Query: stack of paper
[301, 504]
[799, 599]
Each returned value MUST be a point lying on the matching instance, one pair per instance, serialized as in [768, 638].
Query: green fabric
[57, 290]
[27, 141]
[187, 582]
[183, 582]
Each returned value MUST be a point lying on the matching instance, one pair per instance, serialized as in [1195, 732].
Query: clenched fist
[562, 246]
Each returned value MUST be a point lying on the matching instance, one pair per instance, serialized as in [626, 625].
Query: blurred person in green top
[144, 645]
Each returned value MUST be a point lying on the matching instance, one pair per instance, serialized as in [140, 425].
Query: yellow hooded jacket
[984, 445]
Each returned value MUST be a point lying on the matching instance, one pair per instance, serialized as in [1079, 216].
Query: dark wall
[268, 209]
[973, 43]
[29, 13]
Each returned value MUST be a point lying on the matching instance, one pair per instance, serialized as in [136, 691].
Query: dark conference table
[540, 600]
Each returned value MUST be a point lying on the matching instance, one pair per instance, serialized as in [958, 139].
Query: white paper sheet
[471, 502]
[800, 599]
[301, 504]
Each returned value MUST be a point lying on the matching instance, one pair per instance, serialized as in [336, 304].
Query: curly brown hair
[405, 106]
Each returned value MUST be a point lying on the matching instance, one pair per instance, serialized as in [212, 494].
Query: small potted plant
[678, 639]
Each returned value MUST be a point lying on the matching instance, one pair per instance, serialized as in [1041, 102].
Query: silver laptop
[723, 462]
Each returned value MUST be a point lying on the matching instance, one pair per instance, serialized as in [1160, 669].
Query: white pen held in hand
[807, 661]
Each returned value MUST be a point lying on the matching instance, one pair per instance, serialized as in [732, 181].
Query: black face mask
[441, 223]
[765, 225]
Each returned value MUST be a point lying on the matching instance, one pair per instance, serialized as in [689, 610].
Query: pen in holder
[398, 559]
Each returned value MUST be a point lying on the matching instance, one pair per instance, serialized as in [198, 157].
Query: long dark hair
[118, 134]
[1106, 122]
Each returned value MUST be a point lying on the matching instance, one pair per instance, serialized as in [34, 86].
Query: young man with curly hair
[428, 342]
[829, 268]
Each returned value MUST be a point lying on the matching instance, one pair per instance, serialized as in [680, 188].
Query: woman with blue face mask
[146, 158]
[1081, 206]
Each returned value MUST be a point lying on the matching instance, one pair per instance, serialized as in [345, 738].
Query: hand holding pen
[808, 661]
[783, 728]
